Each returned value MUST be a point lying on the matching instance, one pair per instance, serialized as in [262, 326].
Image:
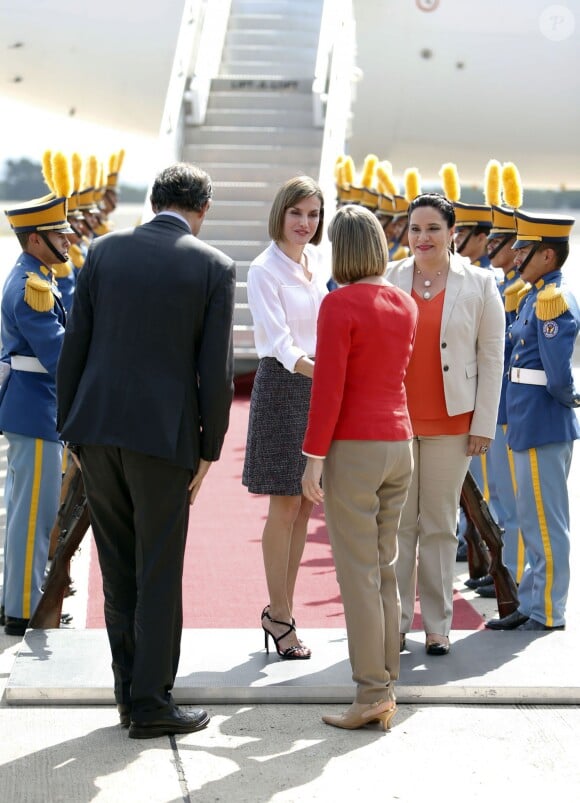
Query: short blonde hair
[292, 192]
[359, 245]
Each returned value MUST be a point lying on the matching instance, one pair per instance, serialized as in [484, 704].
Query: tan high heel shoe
[359, 715]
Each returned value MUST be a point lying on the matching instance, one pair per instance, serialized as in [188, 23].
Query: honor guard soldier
[542, 424]
[33, 320]
[500, 464]
[472, 226]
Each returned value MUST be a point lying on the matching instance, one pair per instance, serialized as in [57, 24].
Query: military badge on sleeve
[550, 329]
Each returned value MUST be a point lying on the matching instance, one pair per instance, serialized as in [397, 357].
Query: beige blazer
[472, 339]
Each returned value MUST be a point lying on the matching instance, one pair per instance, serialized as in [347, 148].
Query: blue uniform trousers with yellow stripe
[502, 492]
[544, 517]
[32, 496]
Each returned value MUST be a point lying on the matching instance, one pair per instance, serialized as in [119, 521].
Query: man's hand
[195, 484]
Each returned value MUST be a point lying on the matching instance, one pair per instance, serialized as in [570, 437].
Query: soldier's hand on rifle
[195, 484]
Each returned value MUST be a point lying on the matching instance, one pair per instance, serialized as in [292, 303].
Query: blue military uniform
[33, 321]
[542, 426]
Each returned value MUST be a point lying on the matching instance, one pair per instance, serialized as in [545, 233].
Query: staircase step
[272, 69]
[230, 209]
[241, 292]
[220, 229]
[266, 99]
[241, 190]
[239, 249]
[268, 36]
[252, 135]
[243, 315]
[261, 172]
[285, 52]
[272, 21]
[290, 118]
[207, 153]
[252, 83]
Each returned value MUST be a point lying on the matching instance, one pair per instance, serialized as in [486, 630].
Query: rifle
[72, 521]
[478, 560]
[479, 515]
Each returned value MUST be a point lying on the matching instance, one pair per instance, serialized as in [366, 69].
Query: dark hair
[438, 202]
[23, 238]
[183, 186]
[561, 251]
[290, 193]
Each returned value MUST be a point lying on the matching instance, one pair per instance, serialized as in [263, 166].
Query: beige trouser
[427, 533]
[365, 484]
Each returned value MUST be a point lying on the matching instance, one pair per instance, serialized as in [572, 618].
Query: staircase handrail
[335, 89]
[196, 61]
[170, 139]
[209, 58]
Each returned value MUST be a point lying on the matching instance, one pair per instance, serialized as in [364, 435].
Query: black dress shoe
[532, 624]
[478, 582]
[487, 592]
[124, 714]
[14, 626]
[509, 622]
[173, 721]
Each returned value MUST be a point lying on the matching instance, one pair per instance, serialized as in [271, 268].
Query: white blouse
[284, 304]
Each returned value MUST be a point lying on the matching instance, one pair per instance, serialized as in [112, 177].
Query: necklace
[427, 283]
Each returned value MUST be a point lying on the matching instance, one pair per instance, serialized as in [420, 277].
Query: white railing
[333, 89]
[209, 57]
[202, 22]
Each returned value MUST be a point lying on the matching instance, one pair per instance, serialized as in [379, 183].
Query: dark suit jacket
[147, 358]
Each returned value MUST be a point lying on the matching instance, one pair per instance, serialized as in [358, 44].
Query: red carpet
[223, 582]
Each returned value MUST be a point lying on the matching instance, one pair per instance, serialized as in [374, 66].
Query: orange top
[424, 379]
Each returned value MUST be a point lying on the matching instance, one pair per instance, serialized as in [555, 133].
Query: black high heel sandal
[296, 653]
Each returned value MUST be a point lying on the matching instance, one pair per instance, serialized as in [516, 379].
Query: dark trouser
[139, 507]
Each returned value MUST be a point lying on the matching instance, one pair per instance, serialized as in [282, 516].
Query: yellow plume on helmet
[513, 193]
[348, 167]
[47, 169]
[386, 182]
[368, 171]
[61, 175]
[412, 183]
[492, 187]
[337, 166]
[120, 158]
[450, 181]
[77, 170]
[92, 171]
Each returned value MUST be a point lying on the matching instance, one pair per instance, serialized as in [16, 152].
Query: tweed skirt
[274, 462]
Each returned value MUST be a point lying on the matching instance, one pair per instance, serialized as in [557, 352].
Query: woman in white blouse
[286, 285]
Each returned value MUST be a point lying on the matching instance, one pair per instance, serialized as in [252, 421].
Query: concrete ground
[265, 752]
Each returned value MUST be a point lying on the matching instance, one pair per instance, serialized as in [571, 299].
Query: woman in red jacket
[358, 440]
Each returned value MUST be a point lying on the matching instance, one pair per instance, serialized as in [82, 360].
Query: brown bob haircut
[290, 194]
[359, 245]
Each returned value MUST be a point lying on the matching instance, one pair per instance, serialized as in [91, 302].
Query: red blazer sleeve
[333, 341]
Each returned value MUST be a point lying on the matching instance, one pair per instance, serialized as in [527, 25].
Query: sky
[27, 131]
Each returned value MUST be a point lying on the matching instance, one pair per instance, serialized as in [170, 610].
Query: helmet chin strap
[60, 257]
[502, 241]
[522, 267]
[464, 243]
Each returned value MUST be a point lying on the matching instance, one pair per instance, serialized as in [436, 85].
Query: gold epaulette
[551, 303]
[38, 293]
[522, 293]
[511, 297]
[101, 229]
[76, 256]
[400, 253]
[62, 270]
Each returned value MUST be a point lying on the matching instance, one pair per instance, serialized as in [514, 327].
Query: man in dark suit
[144, 386]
